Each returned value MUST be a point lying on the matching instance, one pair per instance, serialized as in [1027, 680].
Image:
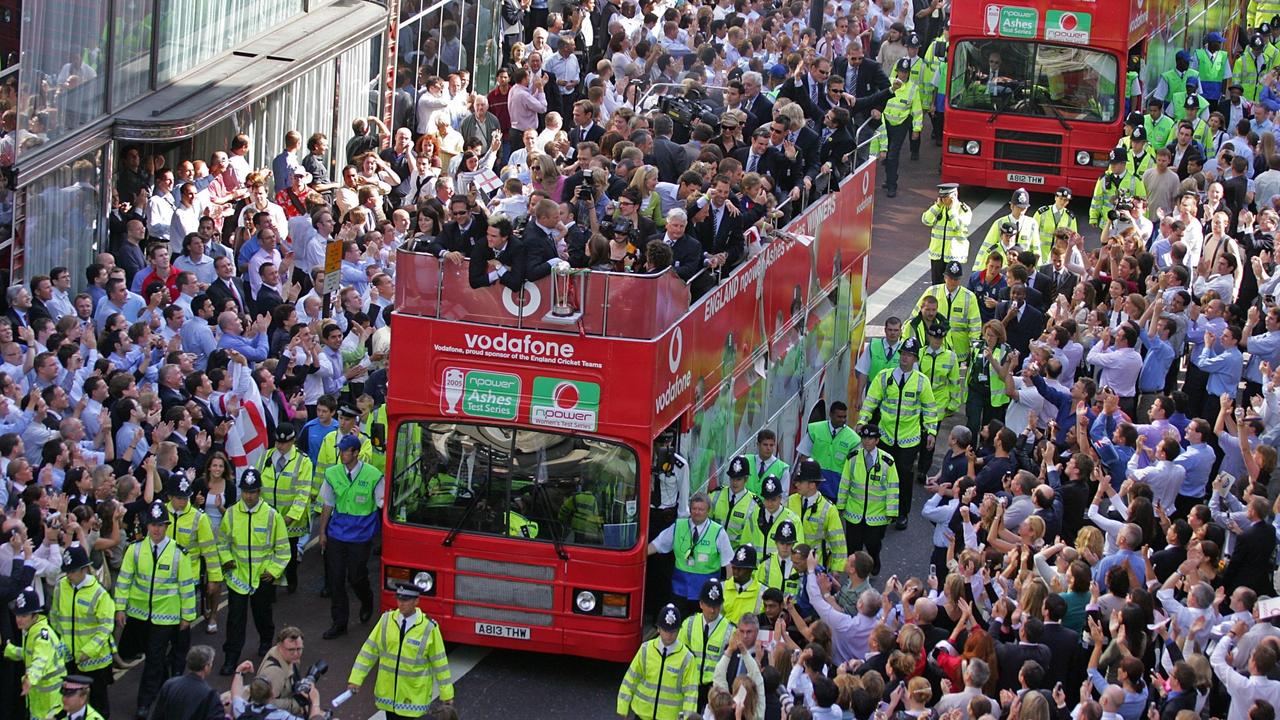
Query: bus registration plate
[510, 632]
[1025, 179]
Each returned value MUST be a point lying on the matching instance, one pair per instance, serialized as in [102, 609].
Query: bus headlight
[972, 147]
[1083, 157]
[586, 602]
[424, 581]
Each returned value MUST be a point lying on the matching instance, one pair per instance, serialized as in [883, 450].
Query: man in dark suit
[807, 85]
[227, 285]
[499, 259]
[670, 158]
[461, 234]
[1182, 692]
[1063, 643]
[1166, 561]
[1061, 281]
[754, 101]
[539, 245]
[862, 76]
[268, 297]
[799, 145]
[20, 310]
[1253, 561]
[1011, 655]
[1184, 149]
[1042, 284]
[189, 696]
[686, 251]
[585, 128]
[835, 146]
[171, 391]
[759, 157]
[1022, 322]
[720, 233]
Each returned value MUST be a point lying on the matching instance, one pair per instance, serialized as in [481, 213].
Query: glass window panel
[62, 80]
[519, 483]
[131, 51]
[64, 217]
[192, 31]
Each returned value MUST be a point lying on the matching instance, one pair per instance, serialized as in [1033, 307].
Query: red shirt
[498, 106]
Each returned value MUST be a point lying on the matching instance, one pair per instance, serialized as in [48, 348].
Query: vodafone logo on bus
[675, 349]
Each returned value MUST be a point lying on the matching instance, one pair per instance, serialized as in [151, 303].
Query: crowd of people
[1103, 516]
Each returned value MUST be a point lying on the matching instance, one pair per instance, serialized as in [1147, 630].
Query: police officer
[819, 519]
[1115, 180]
[77, 701]
[289, 486]
[156, 597]
[948, 221]
[254, 544]
[352, 493]
[734, 507]
[765, 462]
[869, 495]
[706, 634]
[940, 365]
[662, 681]
[959, 305]
[772, 513]
[1025, 231]
[778, 571]
[1252, 66]
[907, 415]
[348, 425]
[1140, 156]
[406, 647]
[668, 498]
[373, 423]
[701, 548]
[40, 654]
[190, 528]
[82, 614]
[903, 117]
[742, 592]
[1049, 218]
[826, 442]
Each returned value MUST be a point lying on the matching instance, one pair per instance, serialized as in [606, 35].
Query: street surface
[491, 684]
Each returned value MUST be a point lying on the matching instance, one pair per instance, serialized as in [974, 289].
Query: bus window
[519, 483]
[1024, 78]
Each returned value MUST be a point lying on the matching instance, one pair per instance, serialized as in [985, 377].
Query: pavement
[490, 684]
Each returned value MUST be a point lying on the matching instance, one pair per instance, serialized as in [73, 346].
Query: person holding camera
[408, 650]
[1115, 181]
[261, 701]
[282, 669]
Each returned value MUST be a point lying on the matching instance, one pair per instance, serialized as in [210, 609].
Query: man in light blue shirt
[118, 300]
[1155, 366]
[197, 335]
[1263, 347]
[1128, 540]
[1197, 461]
[251, 343]
[1224, 364]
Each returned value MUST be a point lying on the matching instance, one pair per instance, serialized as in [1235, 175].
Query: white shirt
[1164, 477]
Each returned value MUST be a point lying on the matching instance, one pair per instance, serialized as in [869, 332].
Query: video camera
[619, 226]
[302, 688]
[684, 110]
[1121, 205]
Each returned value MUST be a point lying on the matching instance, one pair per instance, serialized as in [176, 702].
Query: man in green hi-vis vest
[828, 443]
[879, 354]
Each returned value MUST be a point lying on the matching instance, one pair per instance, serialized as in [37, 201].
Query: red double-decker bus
[1037, 89]
[521, 450]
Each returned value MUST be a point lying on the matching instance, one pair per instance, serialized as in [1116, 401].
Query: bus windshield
[1028, 78]
[527, 484]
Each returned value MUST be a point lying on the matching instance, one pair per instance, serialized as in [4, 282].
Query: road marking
[903, 280]
[462, 660]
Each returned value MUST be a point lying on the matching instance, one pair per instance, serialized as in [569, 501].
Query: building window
[193, 31]
[62, 79]
[63, 218]
[131, 51]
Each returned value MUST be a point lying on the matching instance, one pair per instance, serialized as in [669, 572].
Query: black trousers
[897, 134]
[537, 18]
[936, 268]
[291, 570]
[1183, 504]
[936, 120]
[164, 644]
[262, 601]
[347, 564]
[1195, 386]
[905, 460]
[99, 698]
[861, 536]
[660, 568]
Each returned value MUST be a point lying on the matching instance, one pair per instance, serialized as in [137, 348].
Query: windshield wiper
[1057, 114]
[540, 490]
[476, 494]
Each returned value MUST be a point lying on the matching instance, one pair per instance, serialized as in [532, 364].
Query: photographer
[281, 668]
[257, 703]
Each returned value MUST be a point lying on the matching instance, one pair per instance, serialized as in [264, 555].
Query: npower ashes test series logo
[567, 404]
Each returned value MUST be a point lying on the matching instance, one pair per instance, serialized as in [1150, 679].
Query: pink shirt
[524, 107]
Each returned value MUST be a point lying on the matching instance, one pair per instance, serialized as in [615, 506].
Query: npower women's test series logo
[566, 404]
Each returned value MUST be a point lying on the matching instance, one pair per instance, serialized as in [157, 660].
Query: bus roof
[639, 337]
[1111, 25]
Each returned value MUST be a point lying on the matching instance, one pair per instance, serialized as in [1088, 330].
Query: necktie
[234, 293]
[694, 543]
[719, 215]
[752, 163]
[404, 627]
[813, 92]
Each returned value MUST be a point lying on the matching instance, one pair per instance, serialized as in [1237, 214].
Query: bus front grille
[541, 573]
[515, 593]
[519, 617]
[1030, 137]
[1019, 152]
